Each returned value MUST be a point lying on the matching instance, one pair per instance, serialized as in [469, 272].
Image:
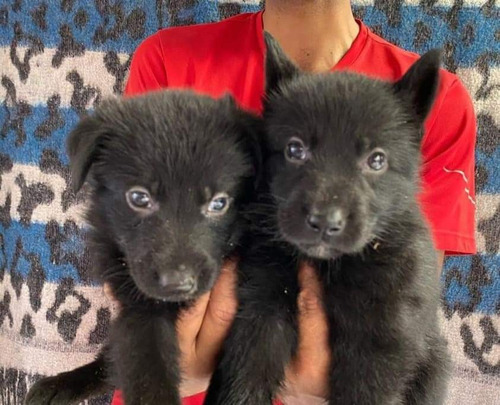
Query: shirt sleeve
[448, 188]
[147, 69]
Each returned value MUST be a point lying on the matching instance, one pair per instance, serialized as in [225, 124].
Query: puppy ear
[82, 145]
[420, 83]
[279, 68]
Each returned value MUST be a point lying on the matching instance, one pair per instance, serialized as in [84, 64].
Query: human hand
[202, 329]
[307, 374]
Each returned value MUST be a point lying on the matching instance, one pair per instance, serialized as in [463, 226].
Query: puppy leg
[145, 356]
[252, 365]
[263, 336]
[72, 387]
[358, 378]
[371, 362]
[429, 385]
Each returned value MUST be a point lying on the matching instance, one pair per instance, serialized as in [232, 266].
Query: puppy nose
[335, 223]
[315, 222]
[176, 282]
[331, 224]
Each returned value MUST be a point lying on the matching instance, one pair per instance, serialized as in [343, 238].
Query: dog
[168, 172]
[342, 160]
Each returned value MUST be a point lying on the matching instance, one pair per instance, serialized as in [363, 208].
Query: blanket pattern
[61, 58]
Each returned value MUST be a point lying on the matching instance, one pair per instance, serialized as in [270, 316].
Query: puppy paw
[53, 391]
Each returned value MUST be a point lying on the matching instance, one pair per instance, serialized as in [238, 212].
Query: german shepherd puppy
[169, 173]
[342, 159]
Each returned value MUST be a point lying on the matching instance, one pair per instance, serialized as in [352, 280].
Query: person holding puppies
[319, 36]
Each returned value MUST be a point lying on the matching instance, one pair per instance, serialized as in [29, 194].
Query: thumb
[313, 355]
[310, 297]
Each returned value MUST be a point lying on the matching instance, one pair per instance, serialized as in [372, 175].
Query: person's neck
[315, 34]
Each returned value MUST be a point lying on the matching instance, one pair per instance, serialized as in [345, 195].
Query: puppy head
[168, 172]
[343, 151]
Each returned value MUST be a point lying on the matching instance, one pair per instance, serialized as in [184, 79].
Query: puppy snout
[330, 224]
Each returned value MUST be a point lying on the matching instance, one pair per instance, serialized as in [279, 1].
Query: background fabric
[59, 58]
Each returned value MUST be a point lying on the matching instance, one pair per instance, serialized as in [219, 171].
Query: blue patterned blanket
[60, 58]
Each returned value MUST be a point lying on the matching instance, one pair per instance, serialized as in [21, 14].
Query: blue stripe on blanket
[470, 284]
[208, 11]
[48, 251]
[105, 32]
[101, 33]
[490, 163]
[30, 150]
[416, 20]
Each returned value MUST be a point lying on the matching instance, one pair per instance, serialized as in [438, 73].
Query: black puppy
[343, 159]
[169, 173]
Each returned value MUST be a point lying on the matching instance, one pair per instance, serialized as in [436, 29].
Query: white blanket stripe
[45, 81]
[54, 356]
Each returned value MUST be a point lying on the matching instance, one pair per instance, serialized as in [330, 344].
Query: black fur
[361, 227]
[184, 150]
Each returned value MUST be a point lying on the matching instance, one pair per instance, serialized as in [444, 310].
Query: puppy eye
[296, 151]
[218, 205]
[139, 199]
[377, 160]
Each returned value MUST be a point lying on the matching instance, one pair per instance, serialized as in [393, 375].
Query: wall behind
[60, 58]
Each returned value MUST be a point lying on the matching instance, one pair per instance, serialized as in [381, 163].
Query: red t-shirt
[228, 56]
